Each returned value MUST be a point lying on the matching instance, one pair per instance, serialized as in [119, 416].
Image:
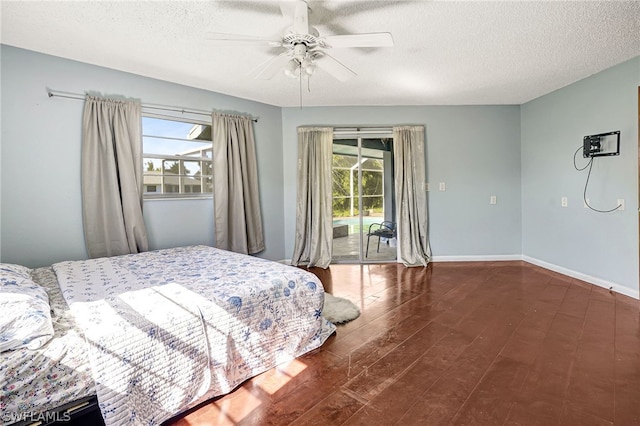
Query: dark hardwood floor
[488, 343]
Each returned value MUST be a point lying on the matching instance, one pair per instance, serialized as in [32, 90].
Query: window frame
[161, 195]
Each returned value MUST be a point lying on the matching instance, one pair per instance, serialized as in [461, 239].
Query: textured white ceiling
[445, 53]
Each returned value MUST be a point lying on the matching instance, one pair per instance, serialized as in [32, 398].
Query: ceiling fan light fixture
[292, 69]
[308, 66]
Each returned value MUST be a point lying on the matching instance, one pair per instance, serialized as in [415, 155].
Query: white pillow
[26, 315]
[9, 271]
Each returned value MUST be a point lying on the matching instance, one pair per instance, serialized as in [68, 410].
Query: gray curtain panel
[314, 209]
[112, 178]
[411, 200]
[238, 221]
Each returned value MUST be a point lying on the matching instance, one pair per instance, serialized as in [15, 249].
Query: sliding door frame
[360, 133]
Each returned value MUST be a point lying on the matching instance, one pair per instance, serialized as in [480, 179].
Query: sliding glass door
[363, 205]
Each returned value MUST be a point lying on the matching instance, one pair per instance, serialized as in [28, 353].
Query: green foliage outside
[372, 185]
[172, 167]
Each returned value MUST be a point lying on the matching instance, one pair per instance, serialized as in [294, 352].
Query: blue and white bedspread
[168, 326]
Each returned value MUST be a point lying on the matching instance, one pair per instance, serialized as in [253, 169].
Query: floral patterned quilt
[36, 381]
[165, 327]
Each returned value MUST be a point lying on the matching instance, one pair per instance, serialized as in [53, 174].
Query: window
[177, 158]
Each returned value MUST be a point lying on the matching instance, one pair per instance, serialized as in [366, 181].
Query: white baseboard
[487, 258]
[550, 266]
[564, 271]
[584, 277]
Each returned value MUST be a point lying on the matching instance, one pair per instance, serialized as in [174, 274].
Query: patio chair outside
[385, 229]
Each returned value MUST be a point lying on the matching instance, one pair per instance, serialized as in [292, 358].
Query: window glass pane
[344, 161]
[175, 129]
[207, 168]
[192, 186]
[208, 184]
[372, 164]
[191, 168]
[176, 147]
[341, 183]
[171, 167]
[151, 165]
[172, 150]
[371, 183]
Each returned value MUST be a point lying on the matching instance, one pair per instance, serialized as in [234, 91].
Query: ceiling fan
[304, 48]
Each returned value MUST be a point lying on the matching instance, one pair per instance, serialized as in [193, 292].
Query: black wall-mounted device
[601, 145]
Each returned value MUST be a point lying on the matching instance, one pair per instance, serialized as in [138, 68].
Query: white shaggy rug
[339, 310]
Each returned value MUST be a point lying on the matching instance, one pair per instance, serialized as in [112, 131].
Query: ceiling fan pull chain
[300, 77]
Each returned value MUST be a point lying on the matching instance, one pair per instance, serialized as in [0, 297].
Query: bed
[155, 333]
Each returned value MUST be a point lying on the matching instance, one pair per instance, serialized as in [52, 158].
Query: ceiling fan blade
[221, 39]
[269, 68]
[359, 40]
[288, 8]
[334, 67]
[301, 18]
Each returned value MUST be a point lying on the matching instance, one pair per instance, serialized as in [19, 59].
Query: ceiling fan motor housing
[291, 39]
[300, 51]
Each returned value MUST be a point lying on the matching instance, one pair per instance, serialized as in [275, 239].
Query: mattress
[117, 336]
[164, 328]
[36, 381]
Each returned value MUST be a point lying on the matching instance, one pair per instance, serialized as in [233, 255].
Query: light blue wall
[603, 246]
[475, 150]
[41, 219]
[521, 154]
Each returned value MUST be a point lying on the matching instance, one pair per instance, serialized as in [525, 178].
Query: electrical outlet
[442, 186]
[621, 204]
[426, 186]
[493, 200]
[564, 202]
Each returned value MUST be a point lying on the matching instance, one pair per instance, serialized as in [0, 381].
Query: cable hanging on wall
[604, 144]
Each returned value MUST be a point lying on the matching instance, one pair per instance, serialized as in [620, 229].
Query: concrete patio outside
[346, 249]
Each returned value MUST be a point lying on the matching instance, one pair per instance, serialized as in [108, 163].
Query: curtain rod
[78, 96]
